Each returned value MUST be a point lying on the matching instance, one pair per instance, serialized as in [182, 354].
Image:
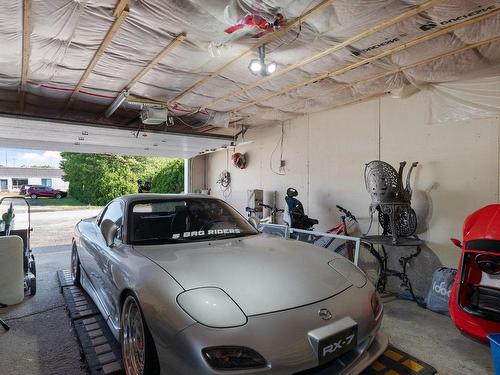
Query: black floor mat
[397, 362]
[100, 349]
[64, 277]
[78, 302]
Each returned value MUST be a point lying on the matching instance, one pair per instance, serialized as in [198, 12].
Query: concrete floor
[41, 341]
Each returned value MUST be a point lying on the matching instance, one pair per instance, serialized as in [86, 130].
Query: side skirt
[89, 288]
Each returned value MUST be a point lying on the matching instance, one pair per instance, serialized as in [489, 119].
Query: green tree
[170, 179]
[97, 178]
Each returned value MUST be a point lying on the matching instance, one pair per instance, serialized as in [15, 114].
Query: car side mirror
[456, 242]
[109, 230]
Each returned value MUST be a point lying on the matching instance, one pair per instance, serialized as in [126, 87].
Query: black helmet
[291, 192]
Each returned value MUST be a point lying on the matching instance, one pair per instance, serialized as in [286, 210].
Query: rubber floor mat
[78, 302]
[101, 350]
[396, 362]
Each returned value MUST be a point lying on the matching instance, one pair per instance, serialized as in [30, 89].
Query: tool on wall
[224, 182]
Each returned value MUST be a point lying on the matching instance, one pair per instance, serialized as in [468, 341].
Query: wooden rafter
[400, 69]
[174, 43]
[122, 5]
[26, 51]
[370, 59]
[372, 30]
[277, 34]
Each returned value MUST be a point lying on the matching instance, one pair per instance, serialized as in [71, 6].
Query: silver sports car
[188, 286]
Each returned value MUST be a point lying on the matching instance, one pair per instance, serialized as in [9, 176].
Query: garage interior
[341, 83]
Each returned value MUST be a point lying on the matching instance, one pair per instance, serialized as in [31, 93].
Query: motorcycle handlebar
[273, 209]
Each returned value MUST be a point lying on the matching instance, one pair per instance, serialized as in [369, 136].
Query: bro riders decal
[209, 232]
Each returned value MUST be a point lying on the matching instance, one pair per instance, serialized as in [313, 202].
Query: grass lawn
[68, 202]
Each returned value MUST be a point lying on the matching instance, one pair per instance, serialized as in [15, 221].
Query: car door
[107, 258]
[43, 192]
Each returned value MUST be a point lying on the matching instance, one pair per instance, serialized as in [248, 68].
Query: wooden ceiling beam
[370, 31]
[120, 7]
[400, 69]
[113, 30]
[370, 59]
[174, 43]
[26, 51]
[277, 34]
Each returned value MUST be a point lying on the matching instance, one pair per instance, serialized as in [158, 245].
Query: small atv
[15, 220]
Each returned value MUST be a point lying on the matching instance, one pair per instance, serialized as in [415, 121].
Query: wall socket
[282, 163]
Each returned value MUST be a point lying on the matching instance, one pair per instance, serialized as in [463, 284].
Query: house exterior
[12, 178]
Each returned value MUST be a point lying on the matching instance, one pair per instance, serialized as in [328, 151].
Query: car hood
[261, 274]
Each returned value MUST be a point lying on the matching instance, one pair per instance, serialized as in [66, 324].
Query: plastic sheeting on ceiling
[66, 34]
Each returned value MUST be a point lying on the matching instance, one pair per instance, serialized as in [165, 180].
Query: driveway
[41, 341]
[56, 227]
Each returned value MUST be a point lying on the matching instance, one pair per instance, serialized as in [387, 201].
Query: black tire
[33, 265]
[58, 196]
[33, 286]
[75, 266]
[367, 262]
[34, 196]
[151, 363]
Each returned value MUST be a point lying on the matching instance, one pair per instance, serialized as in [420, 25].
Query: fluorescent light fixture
[255, 66]
[116, 103]
[271, 68]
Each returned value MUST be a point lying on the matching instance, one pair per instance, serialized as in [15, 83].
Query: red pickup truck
[36, 191]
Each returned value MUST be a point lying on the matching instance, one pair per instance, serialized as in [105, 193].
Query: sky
[12, 157]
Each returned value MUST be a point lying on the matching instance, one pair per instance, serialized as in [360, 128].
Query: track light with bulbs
[259, 66]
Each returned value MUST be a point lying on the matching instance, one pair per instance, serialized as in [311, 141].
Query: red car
[475, 298]
[36, 191]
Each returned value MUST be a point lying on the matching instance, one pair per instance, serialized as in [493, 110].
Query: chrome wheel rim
[133, 343]
[74, 265]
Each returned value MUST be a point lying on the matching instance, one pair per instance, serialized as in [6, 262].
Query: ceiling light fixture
[271, 68]
[259, 66]
[255, 66]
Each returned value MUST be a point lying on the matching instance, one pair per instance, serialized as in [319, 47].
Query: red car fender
[483, 224]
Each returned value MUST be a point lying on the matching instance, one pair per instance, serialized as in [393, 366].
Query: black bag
[439, 292]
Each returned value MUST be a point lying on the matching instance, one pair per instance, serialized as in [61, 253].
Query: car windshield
[185, 220]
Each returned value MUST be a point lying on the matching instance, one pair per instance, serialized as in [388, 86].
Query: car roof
[130, 198]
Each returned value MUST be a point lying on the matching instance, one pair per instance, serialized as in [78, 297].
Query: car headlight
[349, 271]
[233, 358]
[376, 305]
[211, 307]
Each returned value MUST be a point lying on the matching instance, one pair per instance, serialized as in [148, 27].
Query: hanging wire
[281, 169]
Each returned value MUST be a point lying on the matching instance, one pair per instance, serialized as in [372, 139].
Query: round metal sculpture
[406, 222]
[381, 181]
[390, 199]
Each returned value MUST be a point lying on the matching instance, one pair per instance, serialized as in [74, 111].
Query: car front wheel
[75, 266]
[58, 196]
[34, 196]
[138, 349]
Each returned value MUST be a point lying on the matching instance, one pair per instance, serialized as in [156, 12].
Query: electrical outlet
[282, 163]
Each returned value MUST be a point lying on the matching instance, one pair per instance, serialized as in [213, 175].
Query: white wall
[326, 153]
